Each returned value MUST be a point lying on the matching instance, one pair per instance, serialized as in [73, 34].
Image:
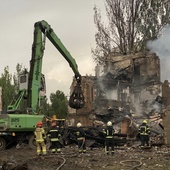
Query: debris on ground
[125, 158]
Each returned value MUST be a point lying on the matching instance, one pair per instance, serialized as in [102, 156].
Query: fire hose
[133, 167]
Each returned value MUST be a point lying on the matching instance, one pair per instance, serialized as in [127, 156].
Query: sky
[71, 20]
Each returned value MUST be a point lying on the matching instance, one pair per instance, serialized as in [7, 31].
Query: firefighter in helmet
[109, 138]
[80, 135]
[54, 136]
[40, 137]
[144, 132]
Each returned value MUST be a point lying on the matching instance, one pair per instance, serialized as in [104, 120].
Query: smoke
[160, 46]
[108, 93]
[111, 94]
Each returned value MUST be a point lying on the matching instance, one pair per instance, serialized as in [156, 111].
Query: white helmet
[79, 124]
[109, 123]
[145, 121]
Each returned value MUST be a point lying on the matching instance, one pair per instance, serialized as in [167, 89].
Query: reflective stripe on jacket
[80, 134]
[54, 134]
[109, 132]
[39, 134]
[144, 129]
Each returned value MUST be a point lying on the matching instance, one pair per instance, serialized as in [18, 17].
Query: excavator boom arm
[48, 31]
[34, 84]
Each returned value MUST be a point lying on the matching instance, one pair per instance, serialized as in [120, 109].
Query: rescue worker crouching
[80, 135]
[109, 138]
[144, 132]
[54, 136]
[40, 137]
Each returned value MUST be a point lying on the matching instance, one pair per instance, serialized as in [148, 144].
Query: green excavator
[18, 124]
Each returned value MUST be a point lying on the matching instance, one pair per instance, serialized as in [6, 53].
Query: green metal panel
[19, 122]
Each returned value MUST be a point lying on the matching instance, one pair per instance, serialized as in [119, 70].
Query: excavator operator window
[23, 79]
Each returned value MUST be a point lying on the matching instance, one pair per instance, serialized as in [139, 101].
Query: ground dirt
[125, 158]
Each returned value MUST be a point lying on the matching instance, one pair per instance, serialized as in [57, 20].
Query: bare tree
[131, 23]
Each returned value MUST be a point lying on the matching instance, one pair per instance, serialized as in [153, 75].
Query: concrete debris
[128, 91]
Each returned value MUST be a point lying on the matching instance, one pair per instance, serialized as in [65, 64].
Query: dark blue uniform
[54, 136]
[80, 135]
[144, 132]
[109, 139]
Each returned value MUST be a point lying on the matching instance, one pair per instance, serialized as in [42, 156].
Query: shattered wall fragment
[166, 125]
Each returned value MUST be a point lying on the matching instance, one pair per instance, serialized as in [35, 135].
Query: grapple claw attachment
[76, 100]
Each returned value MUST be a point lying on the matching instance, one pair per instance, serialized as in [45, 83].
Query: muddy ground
[125, 158]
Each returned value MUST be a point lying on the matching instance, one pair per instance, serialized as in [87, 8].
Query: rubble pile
[125, 158]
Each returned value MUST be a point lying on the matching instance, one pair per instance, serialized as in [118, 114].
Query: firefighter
[40, 137]
[144, 133]
[109, 139]
[54, 135]
[80, 135]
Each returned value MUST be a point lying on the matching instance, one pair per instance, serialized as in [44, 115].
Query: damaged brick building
[128, 85]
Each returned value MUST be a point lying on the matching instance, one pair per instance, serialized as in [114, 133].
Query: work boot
[84, 151]
[39, 154]
[58, 150]
[53, 151]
